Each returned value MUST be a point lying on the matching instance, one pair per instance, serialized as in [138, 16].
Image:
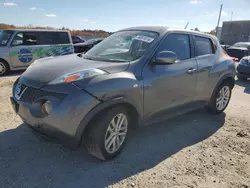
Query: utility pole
[232, 16]
[186, 26]
[217, 28]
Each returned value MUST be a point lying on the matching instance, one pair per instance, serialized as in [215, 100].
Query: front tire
[4, 68]
[107, 134]
[220, 99]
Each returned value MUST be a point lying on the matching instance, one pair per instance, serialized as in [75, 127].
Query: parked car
[243, 69]
[97, 98]
[78, 39]
[233, 58]
[239, 50]
[20, 48]
[225, 47]
[86, 46]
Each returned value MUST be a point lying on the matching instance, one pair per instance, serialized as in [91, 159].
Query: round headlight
[47, 107]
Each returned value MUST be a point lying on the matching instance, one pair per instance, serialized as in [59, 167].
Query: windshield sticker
[144, 38]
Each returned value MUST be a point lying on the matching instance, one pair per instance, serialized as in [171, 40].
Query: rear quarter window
[204, 46]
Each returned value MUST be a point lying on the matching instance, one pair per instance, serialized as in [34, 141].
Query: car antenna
[186, 25]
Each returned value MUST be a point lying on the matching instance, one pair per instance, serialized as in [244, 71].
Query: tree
[212, 32]
[196, 29]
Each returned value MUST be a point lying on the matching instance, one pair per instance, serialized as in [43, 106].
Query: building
[235, 31]
[218, 30]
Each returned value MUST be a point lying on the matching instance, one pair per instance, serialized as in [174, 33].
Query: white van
[20, 48]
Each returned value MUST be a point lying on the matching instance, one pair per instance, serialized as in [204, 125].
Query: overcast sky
[112, 15]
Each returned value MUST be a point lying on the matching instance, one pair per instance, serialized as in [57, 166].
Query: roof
[157, 29]
[162, 29]
[31, 30]
[237, 21]
[243, 43]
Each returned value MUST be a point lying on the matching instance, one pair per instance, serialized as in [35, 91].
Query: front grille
[32, 94]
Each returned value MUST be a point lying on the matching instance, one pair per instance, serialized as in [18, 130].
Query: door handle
[191, 71]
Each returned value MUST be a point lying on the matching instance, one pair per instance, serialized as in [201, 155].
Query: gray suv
[136, 76]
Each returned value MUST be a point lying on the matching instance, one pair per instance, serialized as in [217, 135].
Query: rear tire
[4, 68]
[103, 133]
[220, 99]
[242, 78]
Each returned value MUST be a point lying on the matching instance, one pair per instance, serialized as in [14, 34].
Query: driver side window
[18, 40]
[177, 43]
[25, 38]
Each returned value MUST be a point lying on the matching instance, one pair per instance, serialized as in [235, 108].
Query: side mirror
[165, 57]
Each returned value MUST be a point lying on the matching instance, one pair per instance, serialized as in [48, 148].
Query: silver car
[97, 98]
[20, 48]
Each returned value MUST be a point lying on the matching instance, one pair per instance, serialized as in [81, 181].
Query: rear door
[206, 58]
[54, 43]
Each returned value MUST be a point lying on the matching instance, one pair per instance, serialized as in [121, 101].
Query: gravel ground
[194, 150]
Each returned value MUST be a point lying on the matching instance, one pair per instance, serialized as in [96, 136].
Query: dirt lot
[194, 150]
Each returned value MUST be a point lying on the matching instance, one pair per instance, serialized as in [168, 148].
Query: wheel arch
[134, 111]
[7, 64]
[226, 78]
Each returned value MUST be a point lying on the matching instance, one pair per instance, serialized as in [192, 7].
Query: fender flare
[223, 78]
[92, 113]
[4, 60]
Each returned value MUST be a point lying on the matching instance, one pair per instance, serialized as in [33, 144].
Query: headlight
[244, 62]
[68, 78]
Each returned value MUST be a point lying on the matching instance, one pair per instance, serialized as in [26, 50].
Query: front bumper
[243, 71]
[62, 123]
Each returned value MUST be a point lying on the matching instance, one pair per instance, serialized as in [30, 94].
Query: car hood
[47, 69]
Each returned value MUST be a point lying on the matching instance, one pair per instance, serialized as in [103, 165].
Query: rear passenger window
[177, 43]
[50, 38]
[204, 46]
[45, 38]
[61, 38]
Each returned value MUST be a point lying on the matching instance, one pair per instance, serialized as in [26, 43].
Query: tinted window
[203, 46]
[50, 38]
[61, 38]
[25, 38]
[45, 38]
[177, 43]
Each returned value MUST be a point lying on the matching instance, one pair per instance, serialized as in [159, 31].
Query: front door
[168, 87]
[22, 49]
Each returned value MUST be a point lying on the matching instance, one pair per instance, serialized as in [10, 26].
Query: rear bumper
[243, 71]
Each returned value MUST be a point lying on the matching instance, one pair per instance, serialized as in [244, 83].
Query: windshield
[242, 45]
[5, 37]
[122, 46]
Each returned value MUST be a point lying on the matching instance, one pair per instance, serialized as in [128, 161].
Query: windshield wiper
[115, 60]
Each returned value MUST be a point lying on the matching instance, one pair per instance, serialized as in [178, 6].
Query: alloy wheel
[116, 133]
[2, 68]
[223, 98]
